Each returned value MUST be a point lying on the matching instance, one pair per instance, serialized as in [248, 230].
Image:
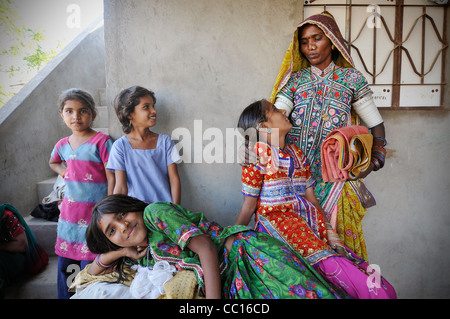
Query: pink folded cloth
[335, 153]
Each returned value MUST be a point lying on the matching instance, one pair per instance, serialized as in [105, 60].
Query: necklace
[322, 73]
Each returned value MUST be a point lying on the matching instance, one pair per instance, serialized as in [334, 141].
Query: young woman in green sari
[229, 262]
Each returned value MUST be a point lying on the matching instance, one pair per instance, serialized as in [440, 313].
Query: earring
[333, 47]
[129, 125]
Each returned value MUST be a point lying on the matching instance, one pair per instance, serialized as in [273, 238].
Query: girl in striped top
[80, 159]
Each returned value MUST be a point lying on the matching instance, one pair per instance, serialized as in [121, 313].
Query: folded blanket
[345, 150]
[361, 149]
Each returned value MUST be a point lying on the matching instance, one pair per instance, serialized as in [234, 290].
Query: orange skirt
[297, 233]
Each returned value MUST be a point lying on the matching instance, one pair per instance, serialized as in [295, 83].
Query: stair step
[40, 286]
[45, 187]
[102, 97]
[102, 117]
[45, 233]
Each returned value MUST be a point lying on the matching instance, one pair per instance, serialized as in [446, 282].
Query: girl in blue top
[143, 161]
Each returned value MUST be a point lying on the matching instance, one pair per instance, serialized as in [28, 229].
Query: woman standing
[321, 91]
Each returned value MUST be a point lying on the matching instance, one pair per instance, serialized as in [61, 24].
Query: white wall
[30, 124]
[207, 60]
[407, 231]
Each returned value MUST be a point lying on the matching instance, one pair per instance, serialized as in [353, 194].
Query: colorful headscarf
[293, 61]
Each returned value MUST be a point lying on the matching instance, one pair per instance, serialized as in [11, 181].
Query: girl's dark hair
[96, 240]
[126, 101]
[79, 95]
[252, 115]
[248, 122]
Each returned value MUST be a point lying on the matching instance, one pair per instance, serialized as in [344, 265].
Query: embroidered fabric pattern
[312, 122]
[282, 209]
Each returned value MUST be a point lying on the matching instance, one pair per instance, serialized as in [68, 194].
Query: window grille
[399, 45]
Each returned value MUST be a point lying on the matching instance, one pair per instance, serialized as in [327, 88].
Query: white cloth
[149, 283]
[58, 191]
[103, 290]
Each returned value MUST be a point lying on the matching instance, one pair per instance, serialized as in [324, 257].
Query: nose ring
[313, 47]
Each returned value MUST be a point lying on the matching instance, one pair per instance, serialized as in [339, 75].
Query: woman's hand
[363, 174]
[379, 136]
[18, 245]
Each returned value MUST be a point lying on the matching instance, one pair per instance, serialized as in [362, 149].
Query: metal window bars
[405, 47]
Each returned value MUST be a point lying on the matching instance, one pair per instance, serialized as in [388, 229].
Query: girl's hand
[341, 251]
[207, 253]
[135, 252]
[247, 210]
[110, 258]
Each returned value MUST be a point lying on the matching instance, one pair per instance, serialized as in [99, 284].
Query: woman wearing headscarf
[321, 91]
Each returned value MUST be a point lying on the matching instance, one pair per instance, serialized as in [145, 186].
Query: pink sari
[359, 281]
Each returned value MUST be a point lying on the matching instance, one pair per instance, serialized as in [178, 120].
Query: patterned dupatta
[293, 61]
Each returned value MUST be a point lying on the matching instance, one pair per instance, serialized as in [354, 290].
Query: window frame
[398, 37]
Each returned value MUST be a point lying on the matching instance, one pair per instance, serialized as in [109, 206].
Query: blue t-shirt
[147, 174]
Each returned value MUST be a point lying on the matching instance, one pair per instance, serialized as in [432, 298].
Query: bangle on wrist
[381, 139]
[376, 164]
[99, 263]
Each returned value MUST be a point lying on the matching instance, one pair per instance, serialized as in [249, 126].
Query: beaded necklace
[322, 73]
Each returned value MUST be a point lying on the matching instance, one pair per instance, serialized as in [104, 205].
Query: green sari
[258, 265]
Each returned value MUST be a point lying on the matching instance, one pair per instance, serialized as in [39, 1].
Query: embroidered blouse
[320, 105]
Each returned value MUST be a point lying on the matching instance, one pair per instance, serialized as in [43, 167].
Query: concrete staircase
[44, 284]
[40, 286]
[101, 122]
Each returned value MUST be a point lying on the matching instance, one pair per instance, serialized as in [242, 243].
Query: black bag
[48, 211]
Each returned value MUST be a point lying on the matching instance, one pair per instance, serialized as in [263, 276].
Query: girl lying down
[228, 262]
